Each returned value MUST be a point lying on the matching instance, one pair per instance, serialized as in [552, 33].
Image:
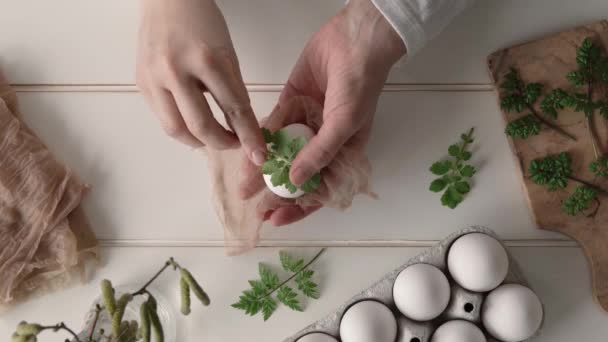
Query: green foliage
[195, 287]
[523, 127]
[281, 154]
[599, 167]
[553, 102]
[592, 65]
[579, 103]
[121, 305]
[184, 296]
[552, 171]
[125, 331]
[144, 319]
[107, 294]
[517, 95]
[260, 297]
[580, 200]
[454, 173]
[289, 297]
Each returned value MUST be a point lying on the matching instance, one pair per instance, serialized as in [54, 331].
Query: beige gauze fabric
[347, 175]
[45, 239]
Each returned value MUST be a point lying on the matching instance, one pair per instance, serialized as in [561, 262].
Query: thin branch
[61, 326]
[145, 287]
[295, 274]
[95, 319]
[592, 186]
[590, 122]
[549, 124]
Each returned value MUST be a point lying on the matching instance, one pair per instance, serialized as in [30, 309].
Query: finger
[251, 181]
[163, 105]
[225, 83]
[322, 148]
[199, 119]
[288, 215]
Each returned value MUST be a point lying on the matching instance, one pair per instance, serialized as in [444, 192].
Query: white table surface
[72, 63]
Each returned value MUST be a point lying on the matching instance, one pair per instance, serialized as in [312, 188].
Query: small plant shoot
[454, 173]
[149, 327]
[282, 152]
[265, 293]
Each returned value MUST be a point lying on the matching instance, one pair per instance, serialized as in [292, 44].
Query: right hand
[185, 49]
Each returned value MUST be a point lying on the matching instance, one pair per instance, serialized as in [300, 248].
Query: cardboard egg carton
[464, 304]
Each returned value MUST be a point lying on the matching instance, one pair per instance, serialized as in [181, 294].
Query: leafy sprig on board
[282, 152]
[580, 200]
[454, 173]
[554, 172]
[259, 297]
[518, 96]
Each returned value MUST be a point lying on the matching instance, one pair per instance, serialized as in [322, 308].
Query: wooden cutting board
[547, 61]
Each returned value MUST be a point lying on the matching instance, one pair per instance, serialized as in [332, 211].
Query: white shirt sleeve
[418, 21]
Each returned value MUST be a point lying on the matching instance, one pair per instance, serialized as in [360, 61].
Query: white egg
[458, 331]
[317, 337]
[478, 262]
[512, 313]
[421, 292]
[368, 321]
[296, 130]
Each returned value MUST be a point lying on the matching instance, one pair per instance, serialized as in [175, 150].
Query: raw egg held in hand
[368, 321]
[512, 313]
[458, 331]
[421, 292]
[283, 146]
[478, 262]
[317, 337]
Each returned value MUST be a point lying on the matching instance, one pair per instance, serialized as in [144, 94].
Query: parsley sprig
[554, 172]
[518, 96]
[454, 173]
[282, 152]
[260, 297]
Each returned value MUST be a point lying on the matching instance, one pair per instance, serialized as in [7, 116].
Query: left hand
[344, 66]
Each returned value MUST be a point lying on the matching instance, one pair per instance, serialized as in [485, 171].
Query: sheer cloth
[45, 239]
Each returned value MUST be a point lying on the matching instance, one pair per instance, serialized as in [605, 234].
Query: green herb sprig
[124, 331]
[454, 173]
[260, 297]
[554, 172]
[517, 96]
[282, 152]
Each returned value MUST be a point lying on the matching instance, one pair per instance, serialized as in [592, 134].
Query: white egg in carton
[460, 290]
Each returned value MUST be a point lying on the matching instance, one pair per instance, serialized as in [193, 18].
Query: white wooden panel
[69, 41]
[559, 276]
[145, 186]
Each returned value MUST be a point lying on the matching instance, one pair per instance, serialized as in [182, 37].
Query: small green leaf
[268, 136]
[280, 177]
[451, 198]
[467, 171]
[269, 305]
[312, 184]
[441, 167]
[523, 127]
[462, 187]
[258, 288]
[580, 200]
[289, 263]
[438, 185]
[305, 284]
[269, 278]
[454, 150]
[289, 297]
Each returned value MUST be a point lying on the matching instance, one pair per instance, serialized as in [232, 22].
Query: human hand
[185, 49]
[344, 66]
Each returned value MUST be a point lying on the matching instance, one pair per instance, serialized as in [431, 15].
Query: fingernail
[258, 157]
[299, 175]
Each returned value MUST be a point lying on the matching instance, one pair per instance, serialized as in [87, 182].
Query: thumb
[338, 128]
